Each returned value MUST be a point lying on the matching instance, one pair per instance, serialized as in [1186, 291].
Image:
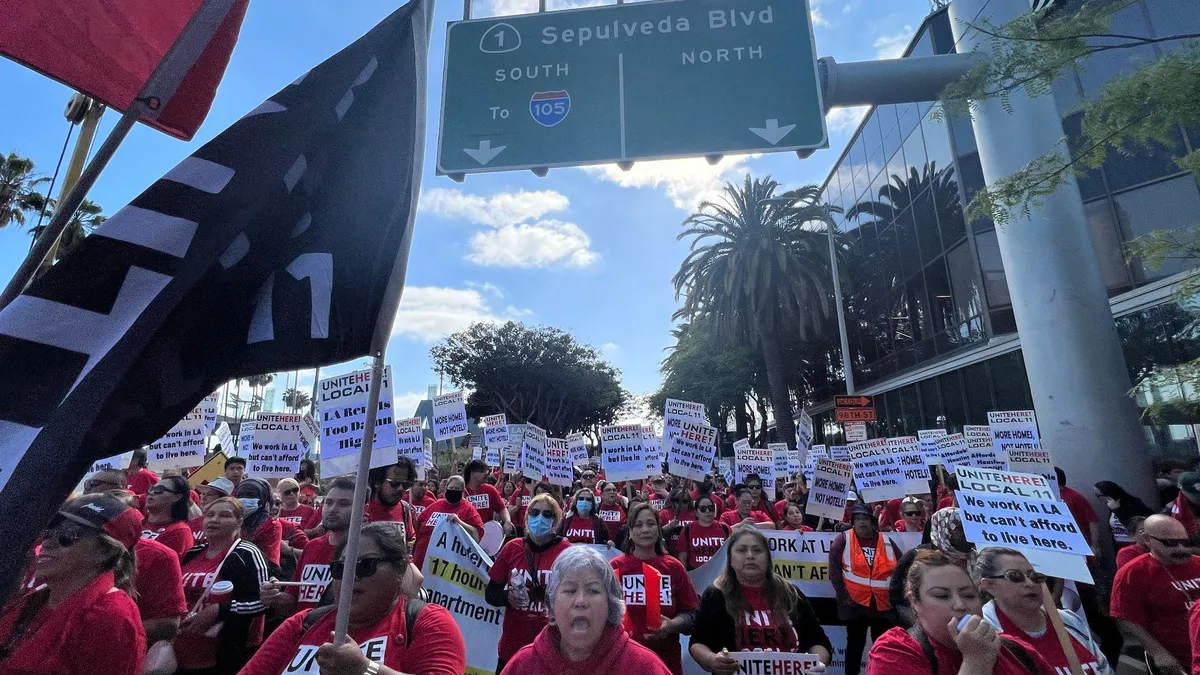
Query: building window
[992, 269]
[1167, 205]
[1107, 241]
[964, 287]
[978, 391]
[1009, 382]
[1100, 67]
[1172, 17]
[953, 403]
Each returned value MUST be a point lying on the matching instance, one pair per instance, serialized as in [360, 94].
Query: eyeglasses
[159, 489]
[67, 534]
[589, 476]
[706, 509]
[1019, 577]
[754, 487]
[1172, 543]
[911, 513]
[365, 567]
[534, 513]
[289, 493]
[396, 484]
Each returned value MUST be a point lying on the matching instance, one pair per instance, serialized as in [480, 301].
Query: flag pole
[150, 101]
[346, 593]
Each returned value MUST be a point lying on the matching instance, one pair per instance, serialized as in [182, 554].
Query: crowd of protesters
[148, 574]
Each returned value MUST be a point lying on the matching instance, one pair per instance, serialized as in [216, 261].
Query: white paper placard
[982, 454]
[277, 448]
[1016, 441]
[577, 449]
[692, 449]
[495, 430]
[622, 456]
[841, 452]
[953, 451]
[181, 447]
[876, 470]
[927, 443]
[748, 460]
[652, 447]
[558, 462]
[410, 440]
[120, 461]
[342, 404]
[804, 428]
[827, 494]
[779, 454]
[675, 412]
[449, 416]
[907, 451]
[533, 452]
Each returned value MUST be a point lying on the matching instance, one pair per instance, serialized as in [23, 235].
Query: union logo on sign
[548, 108]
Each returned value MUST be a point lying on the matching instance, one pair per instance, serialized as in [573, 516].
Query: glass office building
[929, 318]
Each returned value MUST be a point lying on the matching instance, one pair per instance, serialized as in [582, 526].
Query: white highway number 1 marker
[773, 133]
[486, 153]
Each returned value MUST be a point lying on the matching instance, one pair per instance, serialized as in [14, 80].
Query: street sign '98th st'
[639, 81]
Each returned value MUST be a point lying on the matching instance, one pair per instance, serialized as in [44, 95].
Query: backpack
[1017, 650]
[412, 608]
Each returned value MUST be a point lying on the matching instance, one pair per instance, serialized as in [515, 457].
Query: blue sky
[590, 250]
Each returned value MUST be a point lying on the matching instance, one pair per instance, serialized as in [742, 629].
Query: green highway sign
[619, 83]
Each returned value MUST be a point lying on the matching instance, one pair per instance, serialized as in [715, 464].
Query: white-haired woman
[585, 635]
[1016, 610]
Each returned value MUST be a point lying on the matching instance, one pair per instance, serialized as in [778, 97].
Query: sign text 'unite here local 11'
[619, 83]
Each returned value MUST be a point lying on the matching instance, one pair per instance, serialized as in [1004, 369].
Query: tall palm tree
[757, 271]
[85, 219]
[295, 399]
[18, 192]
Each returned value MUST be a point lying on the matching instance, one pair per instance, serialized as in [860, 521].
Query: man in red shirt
[484, 497]
[419, 496]
[291, 510]
[1152, 595]
[1081, 509]
[235, 470]
[141, 478]
[388, 485]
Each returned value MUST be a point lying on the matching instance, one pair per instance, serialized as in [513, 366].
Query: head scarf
[943, 525]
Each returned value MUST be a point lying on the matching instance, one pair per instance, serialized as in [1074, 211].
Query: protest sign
[181, 447]
[804, 427]
[558, 462]
[449, 416]
[410, 441]
[953, 451]
[840, 452]
[855, 431]
[927, 443]
[795, 461]
[622, 456]
[491, 456]
[277, 448]
[779, 454]
[577, 449]
[907, 452]
[511, 453]
[815, 452]
[208, 408]
[476, 445]
[691, 451]
[225, 437]
[827, 494]
[533, 452]
[342, 402]
[748, 460]
[495, 430]
[245, 439]
[120, 461]
[652, 447]
[674, 413]
[1016, 441]
[982, 454]
[456, 575]
[774, 663]
[876, 470]
[725, 468]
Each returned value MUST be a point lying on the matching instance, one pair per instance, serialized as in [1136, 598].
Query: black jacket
[716, 630]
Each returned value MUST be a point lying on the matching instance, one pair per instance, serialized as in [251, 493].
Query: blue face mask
[584, 508]
[539, 526]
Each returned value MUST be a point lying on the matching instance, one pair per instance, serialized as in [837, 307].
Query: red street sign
[855, 415]
[852, 402]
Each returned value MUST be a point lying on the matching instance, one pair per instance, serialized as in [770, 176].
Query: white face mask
[250, 504]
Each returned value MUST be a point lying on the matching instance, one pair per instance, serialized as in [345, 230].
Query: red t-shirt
[760, 632]
[1047, 645]
[1128, 553]
[613, 516]
[421, 504]
[897, 652]
[698, 544]
[486, 500]
[1081, 508]
[308, 494]
[945, 502]
[197, 651]
[1158, 598]
[267, 538]
[196, 525]
[731, 518]
[1194, 630]
[802, 528]
[520, 499]
[301, 516]
[761, 505]
[176, 536]
[435, 514]
[159, 581]
[684, 517]
[292, 534]
[139, 482]
[522, 626]
[378, 513]
[579, 530]
[437, 646]
[676, 594]
[313, 567]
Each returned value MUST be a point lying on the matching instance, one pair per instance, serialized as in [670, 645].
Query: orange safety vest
[864, 581]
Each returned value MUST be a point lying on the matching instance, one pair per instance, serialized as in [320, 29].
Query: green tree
[535, 374]
[757, 269]
[697, 368]
[85, 219]
[18, 193]
[296, 400]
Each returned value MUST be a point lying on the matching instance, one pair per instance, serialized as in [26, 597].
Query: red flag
[107, 49]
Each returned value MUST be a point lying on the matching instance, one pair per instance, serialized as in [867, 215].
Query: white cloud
[544, 243]
[429, 313]
[609, 350]
[496, 210]
[686, 181]
[892, 46]
[818, 17]
[487, 287]
[406, 404]
[845, 120]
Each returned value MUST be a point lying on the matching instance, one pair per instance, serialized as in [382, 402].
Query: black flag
[280, 244]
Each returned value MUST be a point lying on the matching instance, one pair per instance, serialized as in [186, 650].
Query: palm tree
[295, 399]
[17, 189]
[85, 219]
[765, 274]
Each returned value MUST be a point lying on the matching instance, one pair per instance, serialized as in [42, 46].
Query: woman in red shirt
[1016, 610]
[451, 506]
[582, 525]
[943, 597]
[660, 602]
[260, 527]
[167, 505]
[912, 516]
[793, 518]
[379, 631]
[80, 619]
[744, 511]
[700, 540]
[611, 510]
[291, 510]
[586, 637]
[518, 578]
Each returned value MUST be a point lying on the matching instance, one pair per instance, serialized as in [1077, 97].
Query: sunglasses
[68, 534]
[911, 513]
[292, 491]
[1019, 577]
[589, 476]
[1172, 543]
[365, 567]
[159, 489]
[706, 509]
[535, 513]
[754, 487]
[396, 484]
